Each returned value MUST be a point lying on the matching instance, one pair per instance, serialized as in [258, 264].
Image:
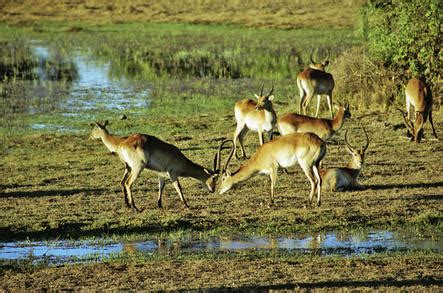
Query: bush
[405, 35]
[366, 84]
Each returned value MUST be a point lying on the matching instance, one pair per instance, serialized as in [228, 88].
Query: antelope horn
[406, 120]
[217, 158]
[367, 140]
[346, 140]
[310, 56]
[261, 91]
[329, 54]
[231, 153]
[272, 89]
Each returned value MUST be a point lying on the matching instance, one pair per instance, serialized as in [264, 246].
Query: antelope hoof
[159, 205]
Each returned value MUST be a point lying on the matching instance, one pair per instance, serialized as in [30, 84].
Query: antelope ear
[336, 107]
[271, 97]
[228, 173]
[326, 63]
[256, 96]
[92, 124]
[106, 123]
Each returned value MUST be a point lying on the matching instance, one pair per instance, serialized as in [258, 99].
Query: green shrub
[405, 35]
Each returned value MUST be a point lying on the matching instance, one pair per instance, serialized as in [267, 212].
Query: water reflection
[95, 90]
[73, 83]
[346, 244]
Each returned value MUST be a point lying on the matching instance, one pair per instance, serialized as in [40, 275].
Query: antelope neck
[339, 119]
[243, 173]
[270, 115]
[196, 171]
[111, 141]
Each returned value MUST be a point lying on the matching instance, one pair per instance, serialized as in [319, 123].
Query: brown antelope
[315, 81]
[253, 115]
[345, 178]
[305, 148]
[419, 96]
[141, 151]
[324, 128]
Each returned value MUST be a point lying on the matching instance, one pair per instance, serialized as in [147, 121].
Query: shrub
[405, 35]
[365, 83]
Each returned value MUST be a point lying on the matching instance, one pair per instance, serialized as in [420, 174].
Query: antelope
[305, 148]
[142, 151]
[253, 115]
[324, 128]
[345, 178]
[419, 96]
[315, 81]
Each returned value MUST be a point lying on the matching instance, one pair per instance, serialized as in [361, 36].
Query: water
[346, 244]
[95, 90]
[78, 85]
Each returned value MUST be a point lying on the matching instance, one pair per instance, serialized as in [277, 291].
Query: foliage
[405, 35]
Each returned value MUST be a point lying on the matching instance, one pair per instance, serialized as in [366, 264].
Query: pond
[331, 243]
[95, 89]
[77, 84]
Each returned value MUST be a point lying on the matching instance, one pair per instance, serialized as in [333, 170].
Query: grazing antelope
[315, 81]
[305, 148]
[419, 96]
[324, 128]
[253, 115]
[345, 178]
[142, 151]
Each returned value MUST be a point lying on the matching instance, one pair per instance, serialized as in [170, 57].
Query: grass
[243, 271]
[276, 14]
[76, 193]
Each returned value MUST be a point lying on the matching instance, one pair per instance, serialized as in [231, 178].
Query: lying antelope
[141, 151]
[419, 96]
[305, 148]
[324, 128]
[345, 178]
[253, 115]
[315, 81]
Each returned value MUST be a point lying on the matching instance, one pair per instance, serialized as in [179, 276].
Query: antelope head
[99, 130]
[358, 155]
[264, 102]
[319, 65]
[226, 182]
[415, 129]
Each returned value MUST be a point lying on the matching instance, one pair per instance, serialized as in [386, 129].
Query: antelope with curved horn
[305, 148]
[419, 96]
[253, 115]
[324, 128]
[315, 81]
[345, 178]
[142, 151]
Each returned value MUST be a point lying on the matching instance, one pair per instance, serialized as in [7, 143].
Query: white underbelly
[286, 161]
[252, 125]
